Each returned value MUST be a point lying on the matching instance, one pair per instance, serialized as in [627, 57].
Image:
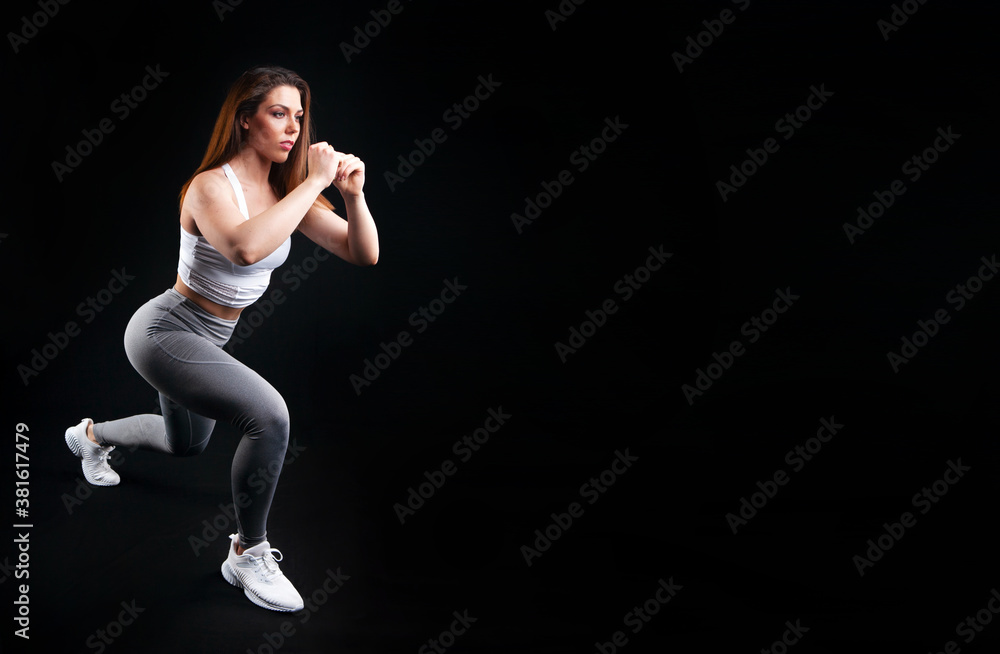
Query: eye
[278, 114]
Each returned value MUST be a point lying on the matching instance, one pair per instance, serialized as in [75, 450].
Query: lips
[287, 145]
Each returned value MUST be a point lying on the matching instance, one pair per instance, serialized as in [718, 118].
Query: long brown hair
[244, 97]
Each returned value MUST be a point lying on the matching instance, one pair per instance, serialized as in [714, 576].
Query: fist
[350, 178]
[345, 171]
[324, 162]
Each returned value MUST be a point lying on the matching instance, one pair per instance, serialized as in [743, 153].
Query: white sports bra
[206, 271]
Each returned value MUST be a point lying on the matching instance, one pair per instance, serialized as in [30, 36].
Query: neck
[251, 168]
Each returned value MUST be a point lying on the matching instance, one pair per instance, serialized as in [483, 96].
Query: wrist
[314, 184]
[353, 197]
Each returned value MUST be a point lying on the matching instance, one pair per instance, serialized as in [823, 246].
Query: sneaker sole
[230, 576]
[74, 447]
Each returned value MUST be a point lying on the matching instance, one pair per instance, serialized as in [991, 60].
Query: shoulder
[209, 187]
[210, 182]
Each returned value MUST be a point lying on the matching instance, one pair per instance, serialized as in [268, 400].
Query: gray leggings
[177, 347]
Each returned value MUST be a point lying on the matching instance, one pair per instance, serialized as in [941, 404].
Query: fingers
[327, 159]
[342, 165]
[349, 164]
[342, 161]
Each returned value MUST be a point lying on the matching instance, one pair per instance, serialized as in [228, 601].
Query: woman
[237, 213]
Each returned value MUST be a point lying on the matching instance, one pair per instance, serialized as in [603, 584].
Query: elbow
[243, 256]
[367, 259]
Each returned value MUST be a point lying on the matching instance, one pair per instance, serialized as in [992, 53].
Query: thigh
[180, 354]
[204, 379]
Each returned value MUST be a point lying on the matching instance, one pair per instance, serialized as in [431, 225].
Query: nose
[293, 125]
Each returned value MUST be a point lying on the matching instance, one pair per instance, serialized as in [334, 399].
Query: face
[276, 126]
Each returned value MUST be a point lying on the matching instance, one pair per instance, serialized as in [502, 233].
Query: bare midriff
[214, 308]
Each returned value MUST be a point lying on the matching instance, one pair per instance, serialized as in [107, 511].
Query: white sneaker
[256, 572]
[94, 457]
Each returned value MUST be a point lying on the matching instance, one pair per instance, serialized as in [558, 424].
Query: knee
[190, 450]
[278, 424]
[269, 421]
[180, 449]
[276, 418]
[185, 436]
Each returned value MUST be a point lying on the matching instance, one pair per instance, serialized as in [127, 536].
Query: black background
[665, 517]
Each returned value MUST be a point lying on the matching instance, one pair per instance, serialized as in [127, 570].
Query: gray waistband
[198, 320]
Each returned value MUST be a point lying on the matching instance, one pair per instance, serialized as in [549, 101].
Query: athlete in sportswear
[260, 180]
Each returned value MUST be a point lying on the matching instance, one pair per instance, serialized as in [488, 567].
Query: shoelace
[269, 561]
[104, 453]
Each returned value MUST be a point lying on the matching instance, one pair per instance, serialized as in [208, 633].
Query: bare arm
[245, 242]
[354, 240]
